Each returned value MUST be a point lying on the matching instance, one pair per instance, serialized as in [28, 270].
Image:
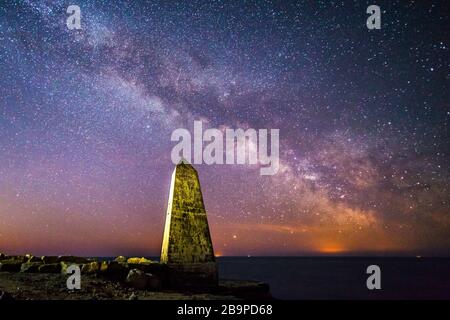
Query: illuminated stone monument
[187, 247]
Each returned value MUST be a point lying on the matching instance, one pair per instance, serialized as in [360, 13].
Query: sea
[342, 278]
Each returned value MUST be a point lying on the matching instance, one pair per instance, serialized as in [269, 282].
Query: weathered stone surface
[5, 296]
[21, 259]
[113, 269]
[50, 268]
[49, 259]
[137, 279]
[139, 261]
[201, 275]
[10, 265]
[153, 282]
[187, 242]
[160, 270]
[30, 267]
[73, 259]
[91, 267]
[65, 265]
[34, 259]
[121, 259]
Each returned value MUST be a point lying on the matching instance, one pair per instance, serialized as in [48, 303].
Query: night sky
[86, 118]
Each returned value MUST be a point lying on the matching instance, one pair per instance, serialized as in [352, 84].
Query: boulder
[137, 279]
[10, 265]
[113, 269]
[73, 259]
[64, 266]
[5, 296]
[50, 268]
[34, 259]
[121, 259]
[91, 267]
[49, 259]
[30, 267]
[153, 282]
[133, 296]
[139, 261]
[140, 280]
[159, 270]
[21, 259]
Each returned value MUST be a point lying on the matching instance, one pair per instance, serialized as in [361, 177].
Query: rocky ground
[44, 278]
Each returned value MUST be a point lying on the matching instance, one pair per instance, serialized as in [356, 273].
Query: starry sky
[86, 118]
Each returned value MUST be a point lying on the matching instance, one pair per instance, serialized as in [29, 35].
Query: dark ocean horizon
[304, 278]
[339, 277]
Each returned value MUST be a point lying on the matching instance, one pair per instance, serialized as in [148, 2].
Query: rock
[113, 269]
[73, 259]
[64, 266]
[21, 259]
[49, 259]
[139, 261]
[153, 282]
[91, 267]
[121, 259]
[30, 267]
[34, 259]
[5, 296]
[50, 268]
[2, 256]
[159, 270]
[137, 279]
[133, 296]
[10, 265]
[141, 280]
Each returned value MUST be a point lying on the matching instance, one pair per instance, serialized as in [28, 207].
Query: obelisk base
[193, 275]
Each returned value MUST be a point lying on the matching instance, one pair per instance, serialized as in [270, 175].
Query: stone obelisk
[187, 247]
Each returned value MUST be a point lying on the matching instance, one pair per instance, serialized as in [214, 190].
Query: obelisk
[187, 247]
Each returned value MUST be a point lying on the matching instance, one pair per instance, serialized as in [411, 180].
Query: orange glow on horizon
[331, 249]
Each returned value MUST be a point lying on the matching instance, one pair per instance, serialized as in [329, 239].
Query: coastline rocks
[10, 265]
[49, 259]
[141, 280]
[33, 259]
[113, 269]
[21, 259]
[72, 259]
[30, 267]
[157, 269]
[153, 282]
[64, 266]
[91, 267]
[139, 261]
[137, 279]
[5, 296]
[50, 268]
[121, 259]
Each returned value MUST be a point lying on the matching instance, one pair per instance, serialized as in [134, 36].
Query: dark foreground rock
[141, 280]
[52, 286]
[29, 277]
[30, 267]
[10, 265]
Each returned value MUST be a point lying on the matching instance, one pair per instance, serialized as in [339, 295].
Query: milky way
[86, 117]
